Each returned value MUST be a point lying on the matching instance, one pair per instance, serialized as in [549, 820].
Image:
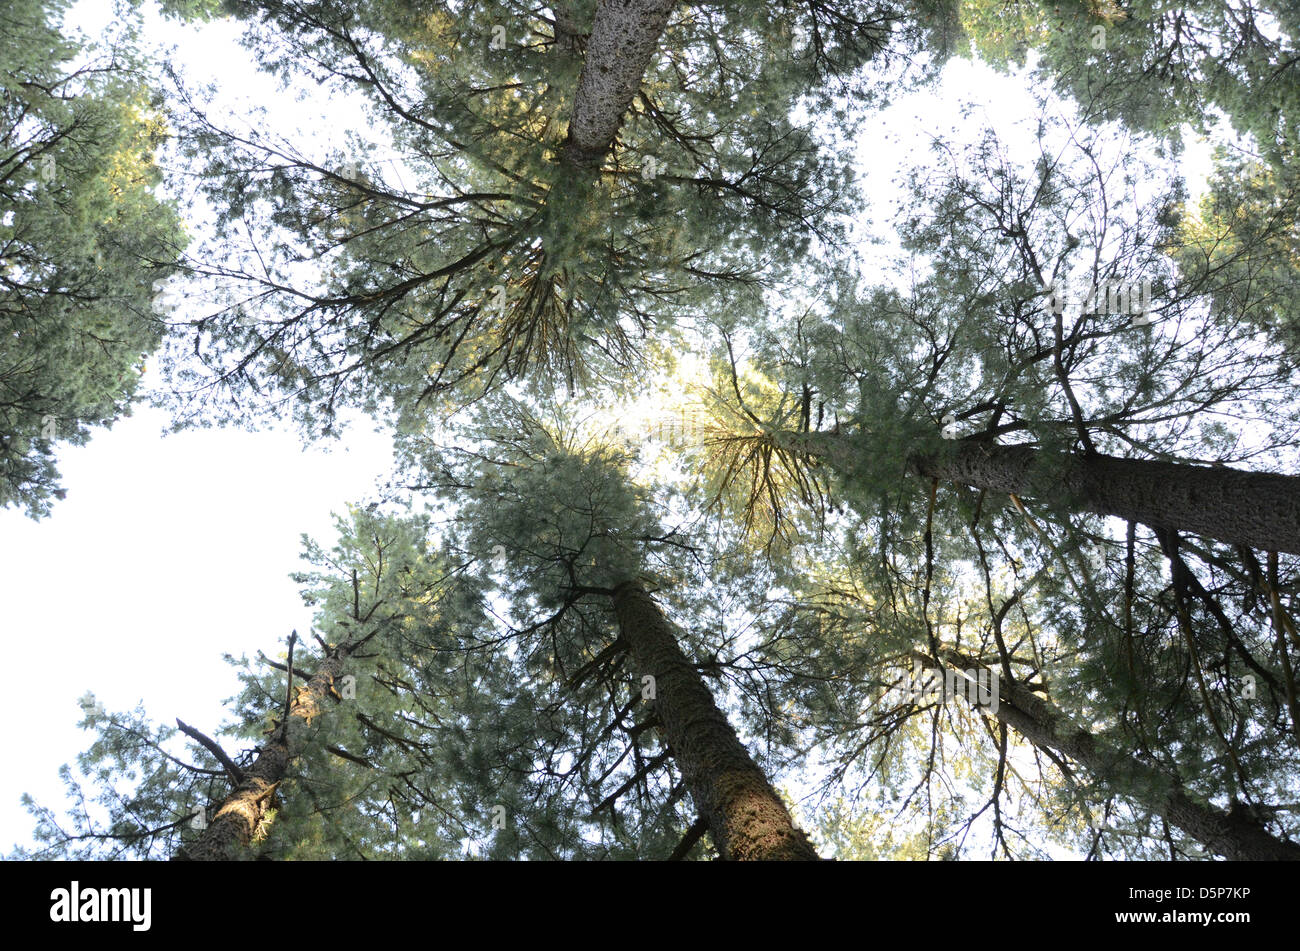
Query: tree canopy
[83, 240]
[726, 521]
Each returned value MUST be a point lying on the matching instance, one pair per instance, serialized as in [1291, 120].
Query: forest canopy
[745, 505]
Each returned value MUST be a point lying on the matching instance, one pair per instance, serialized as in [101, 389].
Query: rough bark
[623, 39]
[1229, 834]
[237, 817]
[1257, 509]
[745, 816]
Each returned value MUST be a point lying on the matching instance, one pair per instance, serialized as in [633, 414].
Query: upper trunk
[1256, 509]
[226, 838]
[623, 39]
[1232, 835]
[746, 818]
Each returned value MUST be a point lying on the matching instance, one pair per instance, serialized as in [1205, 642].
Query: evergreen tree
[1158, 64]
[84, 242]
[524, 210]
[1237, 834]
[338, 750]
[576, 537]
[1048, 441]
[1021, 363]
[1241, 243]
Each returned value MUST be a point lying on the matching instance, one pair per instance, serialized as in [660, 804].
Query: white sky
[169, 552]
[166, 553]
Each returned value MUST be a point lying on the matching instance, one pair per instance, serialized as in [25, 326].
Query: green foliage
[461, 250]
[1157, 64]
[504, 305]
[83, 239]
[1242, 243]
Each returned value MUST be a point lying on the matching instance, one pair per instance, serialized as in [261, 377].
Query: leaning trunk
[1229, 834]
[623, 39]
[746, 818]
[1259, 510]
[1256, 509]
[227, 837]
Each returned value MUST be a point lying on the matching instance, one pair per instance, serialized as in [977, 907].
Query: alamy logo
[102, 904]
[1111, 297]
[666, 427]
[931, 685]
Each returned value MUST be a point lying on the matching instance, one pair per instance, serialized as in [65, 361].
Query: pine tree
[1157, 64]
[338, 752]
[526, 211]
[1160, 67]
[1083, 403]
[1235, 835]
[570, 529]
[83, 243]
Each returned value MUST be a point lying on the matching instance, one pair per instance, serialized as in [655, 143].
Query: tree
[83, 243]
[248, 806]
[1160, 67]
[1157, 64]
[1253, 509]
[743, 813]
[1019, 448]
[339, 752]
[518, 215]
[1237, 835]
[1243, 240]
[1111, 408]
[895, 703]
[623, 38]
[570, 527]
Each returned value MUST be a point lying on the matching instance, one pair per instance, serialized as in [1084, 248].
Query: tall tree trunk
[1256, 509]
[226, 838]
[623, 39]
[1259, 510]
[746, 818]
[1229, 834]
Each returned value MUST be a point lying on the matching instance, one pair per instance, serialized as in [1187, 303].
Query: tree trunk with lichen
[745, 816]
[623, 39]
[238, 816]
